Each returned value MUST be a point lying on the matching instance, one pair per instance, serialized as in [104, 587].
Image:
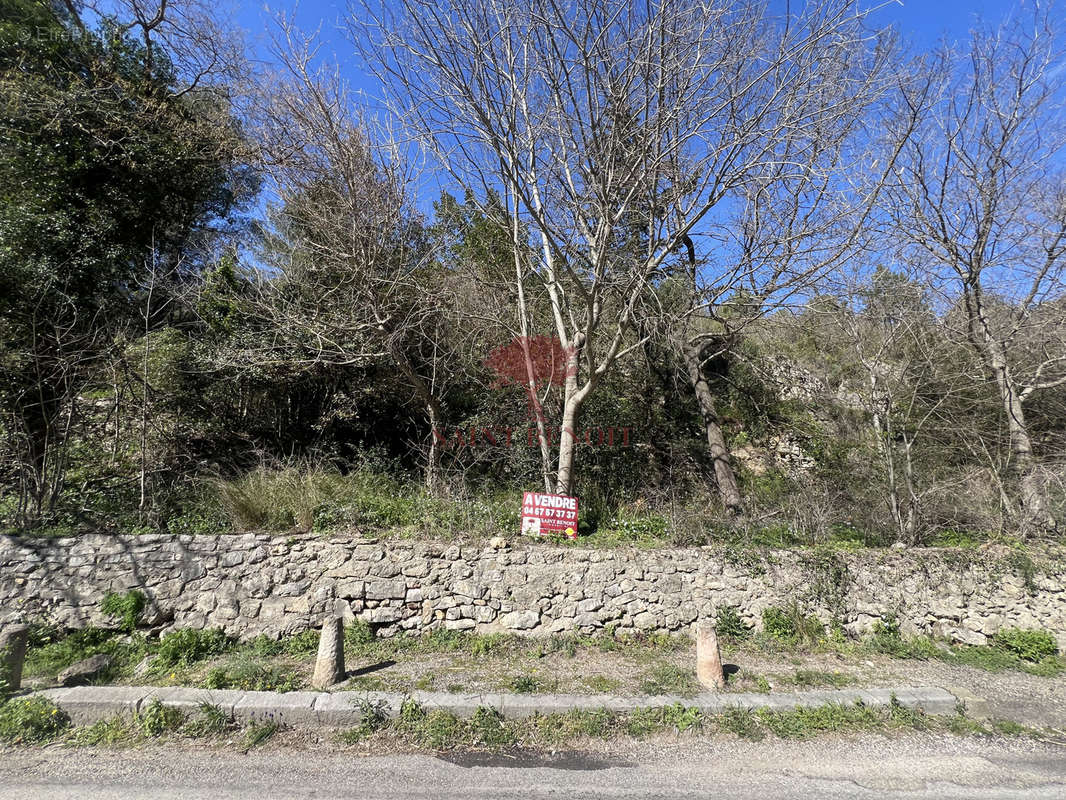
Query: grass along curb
[419, 727]
[91, 704]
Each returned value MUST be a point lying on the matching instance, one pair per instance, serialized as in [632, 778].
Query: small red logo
[535, 363]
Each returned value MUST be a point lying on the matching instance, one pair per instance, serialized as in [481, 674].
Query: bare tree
[186, 36]
[798, 218]
[979, 205]
[349, 279]
[614, 131]
[901, 364]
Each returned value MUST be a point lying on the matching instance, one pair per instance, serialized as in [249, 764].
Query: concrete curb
[88, 704]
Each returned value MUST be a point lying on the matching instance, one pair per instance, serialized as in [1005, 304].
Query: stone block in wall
[460, 624]
[292, 589]
[645, 621]
[386, 590]
[521, 620]
[300, 604]
[368, 552]
[386, 568]
[383, 614]
[417, 568]
[351, 589]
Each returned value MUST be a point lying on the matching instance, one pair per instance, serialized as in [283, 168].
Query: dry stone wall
[255, 584]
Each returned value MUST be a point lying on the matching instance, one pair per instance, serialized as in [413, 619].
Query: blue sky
[922, 23]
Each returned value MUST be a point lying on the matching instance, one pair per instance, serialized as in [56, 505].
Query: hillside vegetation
[817, 299]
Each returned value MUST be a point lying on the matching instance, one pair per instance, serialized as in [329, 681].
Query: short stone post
[13, 641]
[708, 657]
[329, 665]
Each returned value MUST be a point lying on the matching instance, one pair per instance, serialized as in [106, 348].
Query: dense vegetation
[175, 356]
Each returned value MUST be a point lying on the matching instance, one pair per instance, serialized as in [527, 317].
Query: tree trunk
[910, 527]
[1035, 513]
[538, 413]
[726, 479]
[432, 478]
[567, 445]
[433, 415]
[573, 399]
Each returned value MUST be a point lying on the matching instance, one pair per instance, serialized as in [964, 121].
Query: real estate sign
[548, 513]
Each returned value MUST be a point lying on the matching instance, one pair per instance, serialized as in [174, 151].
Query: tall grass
[309, 498]
[278, 498]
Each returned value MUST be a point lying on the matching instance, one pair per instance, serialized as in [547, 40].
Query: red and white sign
[546, 513]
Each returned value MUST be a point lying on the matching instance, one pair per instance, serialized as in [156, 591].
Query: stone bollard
[329, 665]
[12, 655]
[709, 657]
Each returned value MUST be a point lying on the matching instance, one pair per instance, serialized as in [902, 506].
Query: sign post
[543, 514]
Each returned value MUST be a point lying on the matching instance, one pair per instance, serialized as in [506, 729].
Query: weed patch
[252, 676]
[50, 650]
[115, 732]
[670, 679]
[211, 721]
[790, 626]
[256, 735]
[126, 608]
[730, 625]
[1028, 645]
[25, 720]
[187, 646]
[524, 684]
[158, 719]
[813, 678]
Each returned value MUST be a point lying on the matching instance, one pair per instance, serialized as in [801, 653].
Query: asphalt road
[870, 766]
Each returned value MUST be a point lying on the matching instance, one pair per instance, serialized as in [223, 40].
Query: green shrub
[157, 719]
[729, 623]
[489, 728]
[127, 608]
[1028, 645]
[791, 625]
[30, 719]
[886, 637]
[358, 635]
[670, 679]
[524, 684]
[212, 721]
[778, 624]
[187, 646]
[251, 676]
